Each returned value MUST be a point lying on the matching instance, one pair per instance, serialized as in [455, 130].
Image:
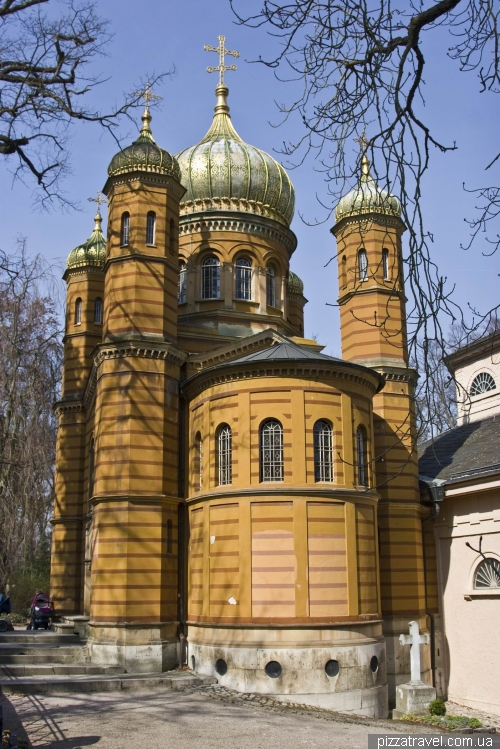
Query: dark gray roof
[286, 350]
[464, 451]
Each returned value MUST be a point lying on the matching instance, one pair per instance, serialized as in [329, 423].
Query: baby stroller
[40, 612]
[5, 624]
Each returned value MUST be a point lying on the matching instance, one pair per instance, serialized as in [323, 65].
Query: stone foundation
[302, 656]
[141, 649]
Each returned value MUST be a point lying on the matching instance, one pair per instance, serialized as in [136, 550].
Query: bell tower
[135, 487]
[368, 231]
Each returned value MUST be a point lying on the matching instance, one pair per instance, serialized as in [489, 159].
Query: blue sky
[155, 35]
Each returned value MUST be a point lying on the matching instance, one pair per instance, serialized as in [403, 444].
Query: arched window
[98, 310]
[362, 265]
[173, 237]
[243, 279]
[385, 264]
[361, 457]
[323, 451]
[210, 278]
[91, 467]
[270, 287]
[198, 462]
[482, 383]
[487, 574]
[125, 230]
[182, 284]
[78, 311]
[151, 227]
[170, 536]
[271, 451]
[343, 278]
[224, 454]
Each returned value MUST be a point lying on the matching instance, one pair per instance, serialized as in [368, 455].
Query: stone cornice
[80, 270]
[67, 406]
[135, 347]
[307, 369]
[375, 289]
[246, 223]
[340, 494]
[240, 347]
[364, 221]
[147, 178]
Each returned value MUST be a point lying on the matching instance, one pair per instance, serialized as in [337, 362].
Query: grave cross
[414, 639]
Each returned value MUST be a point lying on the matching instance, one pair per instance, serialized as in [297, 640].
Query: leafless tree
[46, 86]
[30, 369]
[360, 64]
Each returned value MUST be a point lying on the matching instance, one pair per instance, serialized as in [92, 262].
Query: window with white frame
[271, 451]
[270, 287]
[487, 574]
[243, 279]
[323, 451]
[98, 310]
[224, 454]
[151, 227]
[182, 284]
[385, 264]
[482, 383]
[361, 457]
[362, 265]
[78, 311]
[210, 278]
[125, 229]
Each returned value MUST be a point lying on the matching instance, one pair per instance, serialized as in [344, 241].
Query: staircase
[51, 662]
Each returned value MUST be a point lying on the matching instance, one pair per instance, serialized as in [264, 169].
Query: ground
[201, 718]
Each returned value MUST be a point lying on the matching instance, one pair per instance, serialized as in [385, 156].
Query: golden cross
[100, 200]
[363, 142]
[147, 95]
[222, 52]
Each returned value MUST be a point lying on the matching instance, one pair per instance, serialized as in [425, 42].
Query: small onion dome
[367, 197]
[222, 173]
[91, 252]
[295, 284]
[144, 155]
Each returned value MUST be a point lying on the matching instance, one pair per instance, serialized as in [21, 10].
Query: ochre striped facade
[310, 571]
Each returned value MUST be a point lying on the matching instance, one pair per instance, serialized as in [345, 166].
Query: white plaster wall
[479, 406]
[471, 627]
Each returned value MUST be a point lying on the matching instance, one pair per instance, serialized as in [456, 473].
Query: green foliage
[475, 723]
[437, 707]
[35, 577]
[444, 721]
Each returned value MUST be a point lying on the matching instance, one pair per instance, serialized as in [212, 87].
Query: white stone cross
[414, 639]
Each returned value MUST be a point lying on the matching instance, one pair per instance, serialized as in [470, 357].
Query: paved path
[195, 719]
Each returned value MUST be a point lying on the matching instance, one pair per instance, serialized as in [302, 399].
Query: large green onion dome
[222, 173]
[144, 155]
[295, 284]
[91, 252]
[367, 197]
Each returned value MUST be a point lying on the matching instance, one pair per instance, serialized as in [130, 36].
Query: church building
[228, 496]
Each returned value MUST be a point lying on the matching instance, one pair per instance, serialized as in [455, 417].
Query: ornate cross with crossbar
[222, 52]
[147, 95]
[363, 142]
[100, 200]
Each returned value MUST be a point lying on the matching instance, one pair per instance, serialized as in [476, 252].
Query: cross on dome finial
[222, 51]
[363, 141]
[147, 95]
[99, 199]
[365, 163]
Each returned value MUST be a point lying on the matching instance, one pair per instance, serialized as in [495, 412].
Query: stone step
[170, 680]
[27, 637]
[79, 655]
[16, 671]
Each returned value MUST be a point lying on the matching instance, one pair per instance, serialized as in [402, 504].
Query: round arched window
[487, 574]
[483, 383]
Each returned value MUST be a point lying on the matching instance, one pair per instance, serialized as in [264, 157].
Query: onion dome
[144, 155]
[222, 173]
[295, 284]
[367, 197]
[91, 252]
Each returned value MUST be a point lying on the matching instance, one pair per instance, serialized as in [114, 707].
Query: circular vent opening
[273, 669]
[374, 663]
[221, 667]
[332, 668]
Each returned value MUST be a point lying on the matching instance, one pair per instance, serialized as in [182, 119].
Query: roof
[286, 350]
[475, 351]
[461, 452]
